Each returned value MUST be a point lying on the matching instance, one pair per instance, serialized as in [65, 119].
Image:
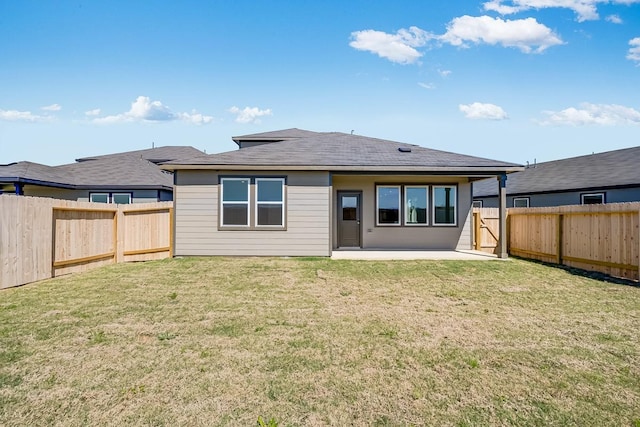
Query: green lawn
[222, 341]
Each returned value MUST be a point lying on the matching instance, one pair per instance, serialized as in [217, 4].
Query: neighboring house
[609, 177]
[302, 193]
[129, 177]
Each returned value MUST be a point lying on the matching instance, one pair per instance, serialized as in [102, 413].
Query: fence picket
[42, 237]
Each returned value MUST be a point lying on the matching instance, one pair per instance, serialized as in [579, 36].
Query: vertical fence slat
[602, 238]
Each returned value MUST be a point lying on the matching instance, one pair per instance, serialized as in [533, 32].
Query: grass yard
[305, 342]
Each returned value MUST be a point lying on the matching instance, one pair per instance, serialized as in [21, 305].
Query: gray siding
[616, 195]
[307, 233]
[138, 196]
[402, 237]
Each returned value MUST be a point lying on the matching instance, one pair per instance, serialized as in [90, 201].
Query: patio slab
[371, 254]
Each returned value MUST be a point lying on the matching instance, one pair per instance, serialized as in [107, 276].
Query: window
[252, 203]
[388, 205]
[270, 202]
[415, 205]
[235, 201]
[444, 205]
[99, 197]
[592, 199]
[121, 198]
[477, 203]
[520, 202]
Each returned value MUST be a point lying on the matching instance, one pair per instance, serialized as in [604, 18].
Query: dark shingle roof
[340, 151]
[276, 135]
[131, 169]
[608, 169]
[154, 155]
[117, 172]
[34, 172]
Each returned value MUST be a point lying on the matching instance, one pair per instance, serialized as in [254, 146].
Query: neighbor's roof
[34, 173]
[337, 151]
[608, 169]
[154, 155]
[131, 169]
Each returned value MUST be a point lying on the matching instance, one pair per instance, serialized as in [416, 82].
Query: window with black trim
[444, 205]
[520, 202]
[252, 203]
[408, 205]
[592, 198]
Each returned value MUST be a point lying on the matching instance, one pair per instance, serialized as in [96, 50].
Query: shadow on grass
[595, 275]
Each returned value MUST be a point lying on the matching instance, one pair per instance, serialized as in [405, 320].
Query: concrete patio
[372, 254]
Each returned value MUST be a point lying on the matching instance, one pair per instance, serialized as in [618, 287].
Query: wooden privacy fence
[486, 229]
[603, 238]
[42, 238]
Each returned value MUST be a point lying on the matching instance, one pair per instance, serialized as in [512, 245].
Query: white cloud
[399, 47]
[52, 107]
[249, 114]
[196, 118]
[586, 10]
[634, 50]
[444, 73]
[427, 85]
[615, 19]
[92, 113]
[525, 34]
[478, 110]
[21, 116]
[143, 109]
[593, 114]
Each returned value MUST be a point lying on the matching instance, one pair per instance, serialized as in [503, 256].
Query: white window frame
[399, 223]
[582, 196]
[223, 203]
[99, 194]
[280, 203]
[479, 202]
[406, 210]
[519, 199]
[121, 194]
[455, 206]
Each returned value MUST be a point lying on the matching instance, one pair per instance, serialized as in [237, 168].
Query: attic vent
[404, 149]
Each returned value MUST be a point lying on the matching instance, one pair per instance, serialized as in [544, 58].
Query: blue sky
[513, 80]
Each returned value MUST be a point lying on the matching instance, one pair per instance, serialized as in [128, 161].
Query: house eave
[449, 170]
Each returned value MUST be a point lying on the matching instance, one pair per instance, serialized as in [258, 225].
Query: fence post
[559, 242]
[476, 230]
[119, 234]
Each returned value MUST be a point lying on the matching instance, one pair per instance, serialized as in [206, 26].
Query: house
[608, 177]
[128, 177]
[302, 193]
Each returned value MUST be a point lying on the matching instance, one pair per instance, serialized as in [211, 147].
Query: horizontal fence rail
[43, 238]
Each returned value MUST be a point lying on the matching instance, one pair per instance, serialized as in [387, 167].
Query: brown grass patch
[221, 341]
